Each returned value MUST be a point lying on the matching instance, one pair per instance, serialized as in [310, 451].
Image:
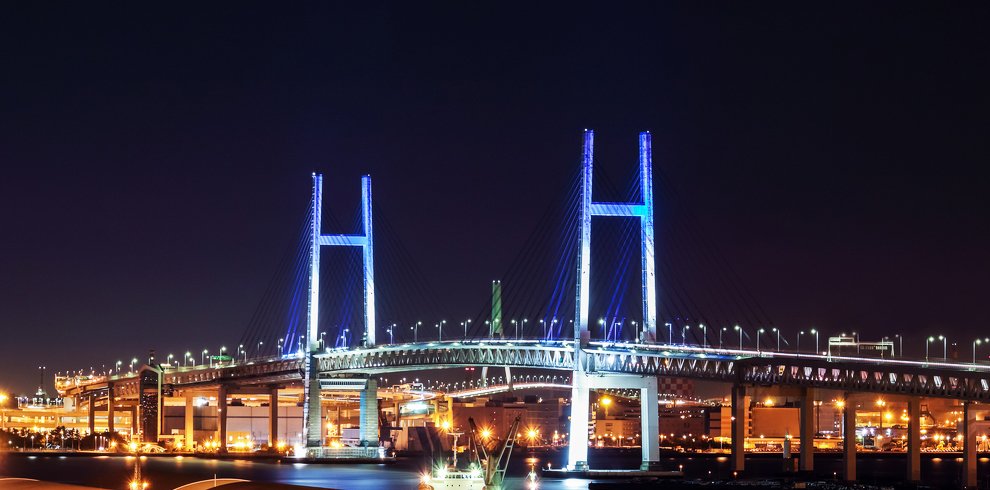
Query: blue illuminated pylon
[643, 210]
[364, 240]
[311, 384]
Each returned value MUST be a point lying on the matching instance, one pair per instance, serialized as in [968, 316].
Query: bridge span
[591, 364]
[604, 365]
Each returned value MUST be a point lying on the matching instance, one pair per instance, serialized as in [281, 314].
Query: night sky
[156, 162]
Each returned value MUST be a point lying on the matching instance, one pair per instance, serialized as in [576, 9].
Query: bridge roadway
[600, 365]
[933, 379]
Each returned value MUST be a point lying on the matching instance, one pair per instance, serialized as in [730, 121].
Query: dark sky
[156, 162]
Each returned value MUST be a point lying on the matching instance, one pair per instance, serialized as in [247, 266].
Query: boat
[484, 470]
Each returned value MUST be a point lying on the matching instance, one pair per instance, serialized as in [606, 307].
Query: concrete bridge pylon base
[581, 386]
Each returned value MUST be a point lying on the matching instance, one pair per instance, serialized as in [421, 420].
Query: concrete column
[369, 414]
[222, 417]
[650, 424]
[914, 440]
[740, 405]
[110, 410]
[92, 415]
[273, 418]
[577, 450]
[807, 429]
[190, 428]
[969, 446]
[849, 440]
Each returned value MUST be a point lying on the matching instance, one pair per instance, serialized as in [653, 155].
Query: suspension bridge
[616, 358]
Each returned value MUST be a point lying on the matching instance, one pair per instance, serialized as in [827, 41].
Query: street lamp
[978, 342]
[900, 346]
[524, 325]
[606, 402]
[684, 335]
[816, 332]
[927, 343]
[168, 360]
[391, 334]
[798, 343]
[758, 332]
[704, 335]
[322, 343]
[188, 358]
[720, 332]
[515, 325]
[465, 324]
[118, 366]
[258, 352]
[279, 348]
[945, 347]
[670, 334]
[740, 335]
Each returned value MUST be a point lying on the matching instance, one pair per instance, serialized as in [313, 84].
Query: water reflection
[525, 470]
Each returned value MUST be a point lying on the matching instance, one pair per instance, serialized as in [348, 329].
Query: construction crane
[492, 467]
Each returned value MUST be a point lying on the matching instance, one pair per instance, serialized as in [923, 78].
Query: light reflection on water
[169, 472]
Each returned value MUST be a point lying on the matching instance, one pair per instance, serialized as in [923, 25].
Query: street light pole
[798, 347]
[684, 335]
[900, 346]
[816, 341]
[720, 332]
[775, 329]
[704, 336]
[740, 335]
[927, 343]
[945, 347]
[758, 332]
[670, 334]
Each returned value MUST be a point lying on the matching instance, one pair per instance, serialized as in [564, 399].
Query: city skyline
[151, 192]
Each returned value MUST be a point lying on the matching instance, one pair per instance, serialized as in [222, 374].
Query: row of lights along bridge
[773, 336]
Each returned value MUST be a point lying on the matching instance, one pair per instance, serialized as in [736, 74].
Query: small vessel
[484, 471]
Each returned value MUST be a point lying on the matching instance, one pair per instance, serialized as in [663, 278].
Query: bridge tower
[311, 388]
[582, 382]
[644, 211]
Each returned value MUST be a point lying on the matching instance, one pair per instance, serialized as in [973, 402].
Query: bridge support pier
[581, 385]
[110, 402]
[914, 440]
[369, 414]
[222, 417]
[577, 449]
[969, 446]
[273, 419]
[740, 405]
[92, 415]
[650, 421]
[134, 422]
[849, 440]
[807, 429]
[188, 418]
